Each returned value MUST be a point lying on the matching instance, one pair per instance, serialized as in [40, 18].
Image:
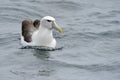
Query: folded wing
[28, 27]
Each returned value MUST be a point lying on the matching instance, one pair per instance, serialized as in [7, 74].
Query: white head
[48, 22]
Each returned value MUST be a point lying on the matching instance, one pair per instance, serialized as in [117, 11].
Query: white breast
[43, 37]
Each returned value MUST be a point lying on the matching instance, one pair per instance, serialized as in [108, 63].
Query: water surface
[91, 40]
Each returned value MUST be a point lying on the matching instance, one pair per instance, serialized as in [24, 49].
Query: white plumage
[43, 36]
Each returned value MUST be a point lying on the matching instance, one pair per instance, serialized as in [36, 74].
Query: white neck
[44, 31]
[43, 37]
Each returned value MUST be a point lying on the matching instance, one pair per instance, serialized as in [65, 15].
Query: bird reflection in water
[44, 55]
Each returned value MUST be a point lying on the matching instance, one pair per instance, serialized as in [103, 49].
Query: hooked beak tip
[55, 26]
[60, 30]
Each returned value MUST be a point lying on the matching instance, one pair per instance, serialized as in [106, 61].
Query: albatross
[39, 32]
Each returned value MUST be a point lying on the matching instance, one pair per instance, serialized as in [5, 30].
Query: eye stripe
[49, 20]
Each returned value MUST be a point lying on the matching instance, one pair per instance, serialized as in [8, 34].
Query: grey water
[90, 40]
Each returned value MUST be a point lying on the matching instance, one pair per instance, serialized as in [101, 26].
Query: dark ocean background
[90, 40]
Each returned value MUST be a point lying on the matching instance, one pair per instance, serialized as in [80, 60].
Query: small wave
[89, 67]
[97, 67]
[42, 48]
[110, 34]
[67, 5]
[103, 34]
[18, 12]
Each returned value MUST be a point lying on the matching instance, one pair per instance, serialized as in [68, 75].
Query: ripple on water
[19, 11]
[41, 48]
[90, 48]
[6, 40]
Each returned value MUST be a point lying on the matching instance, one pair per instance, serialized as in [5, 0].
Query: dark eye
[49, 20]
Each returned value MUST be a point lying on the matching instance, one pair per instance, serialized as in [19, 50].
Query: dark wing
[36, 23]
[28, 27]
[27, 30]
